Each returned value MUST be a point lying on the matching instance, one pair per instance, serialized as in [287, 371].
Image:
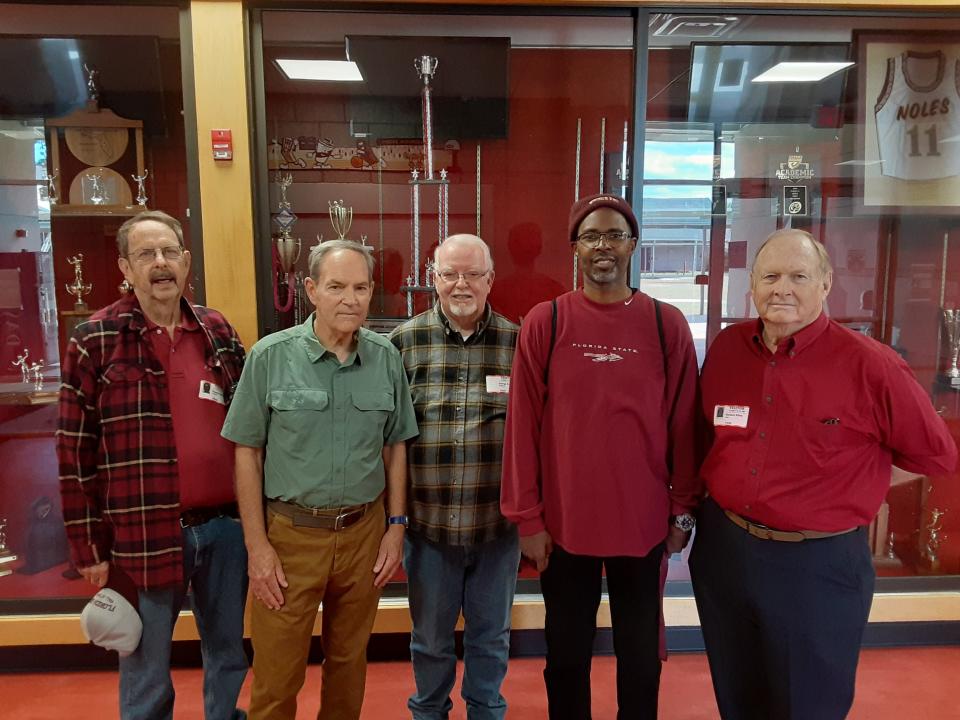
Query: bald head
[803, 237]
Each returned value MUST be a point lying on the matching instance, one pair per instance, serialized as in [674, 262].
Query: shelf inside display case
[95, 210]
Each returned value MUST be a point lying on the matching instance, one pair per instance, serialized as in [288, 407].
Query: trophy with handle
[286, 249]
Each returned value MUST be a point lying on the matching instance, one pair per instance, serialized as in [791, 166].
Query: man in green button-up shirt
[319, 419]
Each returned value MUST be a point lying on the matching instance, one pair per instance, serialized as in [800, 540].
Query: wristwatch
[684, 521]
[398, 520]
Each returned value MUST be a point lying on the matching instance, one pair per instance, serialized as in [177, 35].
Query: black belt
[326, 518]
[200, 515]
[765, 533]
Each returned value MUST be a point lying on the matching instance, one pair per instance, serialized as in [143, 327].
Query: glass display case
[525, 117]
[91, 132]
[733, 155]
[529, 110]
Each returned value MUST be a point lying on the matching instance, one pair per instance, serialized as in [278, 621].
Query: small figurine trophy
[93, 85]
[78, 289]
[98, 195]
[6, 554]
[21, 362]
[141, 191]
[52, 197]
[36, 372]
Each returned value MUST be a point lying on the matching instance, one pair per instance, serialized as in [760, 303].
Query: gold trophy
[288, 247]
[6, 554]
[341, 217]
[78, 289]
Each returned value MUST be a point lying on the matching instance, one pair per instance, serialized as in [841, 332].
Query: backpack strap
[553, 340]
[663, 340]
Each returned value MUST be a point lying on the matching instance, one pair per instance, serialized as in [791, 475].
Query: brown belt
[764, 533]
[326, 518]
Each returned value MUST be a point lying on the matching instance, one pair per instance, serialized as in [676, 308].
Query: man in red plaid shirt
[146, 479]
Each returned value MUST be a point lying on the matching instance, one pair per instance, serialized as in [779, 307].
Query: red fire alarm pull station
[222, 144]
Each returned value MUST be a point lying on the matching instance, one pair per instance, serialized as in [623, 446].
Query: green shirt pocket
[299, 414]
[287, 400]
[372, 409]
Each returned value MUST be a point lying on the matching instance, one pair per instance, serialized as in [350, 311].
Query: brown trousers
[325, 567]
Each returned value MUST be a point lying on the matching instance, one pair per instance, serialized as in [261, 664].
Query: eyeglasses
[613, 237]
[452, 276]
[171, 253]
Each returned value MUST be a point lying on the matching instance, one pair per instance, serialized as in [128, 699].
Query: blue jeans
[215, 565]
[443, 580]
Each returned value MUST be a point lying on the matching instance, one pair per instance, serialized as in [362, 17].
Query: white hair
[466, 239]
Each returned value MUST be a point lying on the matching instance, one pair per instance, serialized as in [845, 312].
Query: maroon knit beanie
[583, 207]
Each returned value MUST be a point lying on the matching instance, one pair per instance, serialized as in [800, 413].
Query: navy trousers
[782, 622]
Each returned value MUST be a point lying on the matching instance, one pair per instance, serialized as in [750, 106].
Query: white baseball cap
[110, 619]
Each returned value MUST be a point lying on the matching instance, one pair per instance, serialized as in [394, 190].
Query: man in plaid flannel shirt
[146, 479]
[460, 553]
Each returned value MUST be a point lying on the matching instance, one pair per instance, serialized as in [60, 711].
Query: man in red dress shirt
[805, 420]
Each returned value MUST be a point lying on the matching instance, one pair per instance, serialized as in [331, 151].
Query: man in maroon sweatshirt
[599, 465]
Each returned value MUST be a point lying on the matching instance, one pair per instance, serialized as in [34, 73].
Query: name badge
[498, 384]
[730, 415]
[211, 391]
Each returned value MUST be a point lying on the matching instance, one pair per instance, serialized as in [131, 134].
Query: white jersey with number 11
[918, 116]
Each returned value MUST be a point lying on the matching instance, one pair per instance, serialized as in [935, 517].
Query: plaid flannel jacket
[115, 441]
[454, 464]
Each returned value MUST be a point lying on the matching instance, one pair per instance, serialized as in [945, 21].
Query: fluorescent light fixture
[859, 163]
[801, 71]
[332, 70]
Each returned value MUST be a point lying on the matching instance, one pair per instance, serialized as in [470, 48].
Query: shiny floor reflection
[903, 683]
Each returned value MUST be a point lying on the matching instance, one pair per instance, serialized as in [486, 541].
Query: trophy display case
[92, 151]
[91, 133]
[565, 132]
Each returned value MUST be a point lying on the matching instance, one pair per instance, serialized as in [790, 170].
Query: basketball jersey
[918, 116]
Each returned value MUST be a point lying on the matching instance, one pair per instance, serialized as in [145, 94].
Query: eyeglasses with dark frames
[614, 238]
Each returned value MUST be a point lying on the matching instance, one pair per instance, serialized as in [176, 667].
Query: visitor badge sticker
[498, 384]
[730, 415]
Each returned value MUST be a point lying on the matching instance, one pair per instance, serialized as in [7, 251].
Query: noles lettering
[927, 108]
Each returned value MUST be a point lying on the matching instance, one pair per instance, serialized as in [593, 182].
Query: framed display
[908, 120]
